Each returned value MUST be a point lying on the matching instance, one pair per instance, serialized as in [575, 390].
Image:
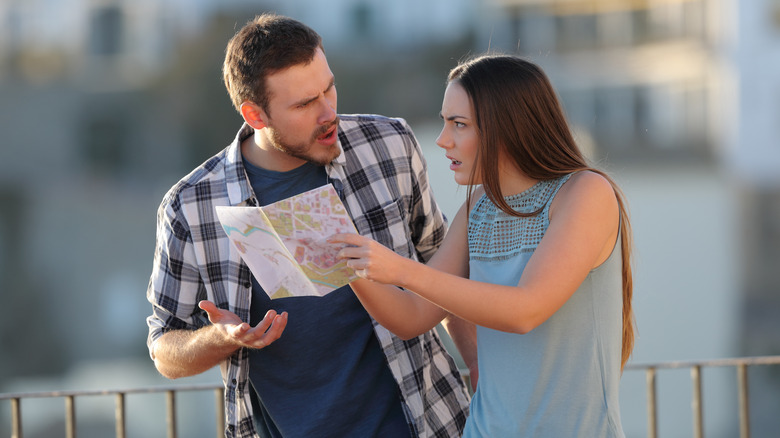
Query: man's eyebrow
[307, 100]
[332, 83]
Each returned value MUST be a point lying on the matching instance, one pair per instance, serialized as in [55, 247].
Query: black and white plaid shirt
[382, 177]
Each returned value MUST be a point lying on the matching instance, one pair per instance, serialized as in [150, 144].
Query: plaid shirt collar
[238, 187]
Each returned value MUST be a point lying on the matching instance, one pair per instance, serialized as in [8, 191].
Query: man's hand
[181, 353]
[242, 334]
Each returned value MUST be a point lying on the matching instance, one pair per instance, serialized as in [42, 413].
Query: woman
[538, 257]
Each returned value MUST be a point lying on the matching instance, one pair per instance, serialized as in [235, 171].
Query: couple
[534, 269]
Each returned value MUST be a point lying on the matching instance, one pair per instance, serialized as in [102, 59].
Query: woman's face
[459, 137]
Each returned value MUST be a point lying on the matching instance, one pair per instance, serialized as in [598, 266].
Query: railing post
[170, 397]
[70, 416]
[119, 415]
[16, 418]
[744, 406]
[698, 429]
[219, 395]
[652, 421]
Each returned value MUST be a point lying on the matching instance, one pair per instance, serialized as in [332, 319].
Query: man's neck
[265, 156]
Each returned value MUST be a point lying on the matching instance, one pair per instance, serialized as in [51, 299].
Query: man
[299, 366]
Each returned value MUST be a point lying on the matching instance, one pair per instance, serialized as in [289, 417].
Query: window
[361, 21]
[103, 140]
[576, 32]
[106, 31]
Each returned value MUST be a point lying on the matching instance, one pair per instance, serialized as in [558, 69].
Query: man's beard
[302, 150]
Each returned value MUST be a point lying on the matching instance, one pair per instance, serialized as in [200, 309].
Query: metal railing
[740, 364]
[650, 369]
[119, 407]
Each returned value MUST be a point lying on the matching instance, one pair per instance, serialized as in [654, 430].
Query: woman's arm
[400, 311]
[582, 232]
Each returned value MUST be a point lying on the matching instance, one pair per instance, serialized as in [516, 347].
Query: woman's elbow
[521, 329]
[522, 326]
[406, 331]
[406, 334]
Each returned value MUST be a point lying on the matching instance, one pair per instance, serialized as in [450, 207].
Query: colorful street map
[284, 243]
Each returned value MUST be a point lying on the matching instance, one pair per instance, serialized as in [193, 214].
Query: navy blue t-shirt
[326, 376]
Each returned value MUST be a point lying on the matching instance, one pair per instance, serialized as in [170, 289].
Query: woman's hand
[370, 259]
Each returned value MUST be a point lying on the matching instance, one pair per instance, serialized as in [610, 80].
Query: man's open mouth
[329, 133]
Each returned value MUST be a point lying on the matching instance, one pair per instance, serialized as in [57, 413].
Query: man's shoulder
[360, 130]
[350, 122]
[213, 171]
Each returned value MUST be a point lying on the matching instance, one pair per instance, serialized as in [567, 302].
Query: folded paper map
[284, 243]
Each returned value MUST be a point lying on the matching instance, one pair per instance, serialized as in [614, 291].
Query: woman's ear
[253, 115]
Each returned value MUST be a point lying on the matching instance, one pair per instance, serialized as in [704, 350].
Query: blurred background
[104, 104]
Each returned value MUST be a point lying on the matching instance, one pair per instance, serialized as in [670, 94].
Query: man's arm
[182, 353]
[462, 332]
[427, 223]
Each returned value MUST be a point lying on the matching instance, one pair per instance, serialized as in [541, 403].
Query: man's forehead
[301, 80]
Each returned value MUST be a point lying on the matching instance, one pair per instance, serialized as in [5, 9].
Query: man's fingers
[268, 319]
[261, 338]
[265, 332]
[211, 309]
[277, 327]
[208, 306]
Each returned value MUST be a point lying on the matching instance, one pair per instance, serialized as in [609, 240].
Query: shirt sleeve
[427, 222]
[175, 286]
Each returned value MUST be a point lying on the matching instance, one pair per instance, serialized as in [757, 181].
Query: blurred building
[642, 78]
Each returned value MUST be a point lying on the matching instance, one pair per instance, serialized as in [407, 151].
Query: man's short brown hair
[266, 44]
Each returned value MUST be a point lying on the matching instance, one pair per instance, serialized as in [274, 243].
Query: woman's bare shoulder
[586, 189]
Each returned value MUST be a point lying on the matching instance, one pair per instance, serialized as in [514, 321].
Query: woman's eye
[459, 124]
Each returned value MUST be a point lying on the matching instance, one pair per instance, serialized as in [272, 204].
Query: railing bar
[219, 395]
[16, 418]
[70, 416]
[755, 360]
[652, 419]
[744, 405]
[148, 390]
[120, 415]
[171, 413]
[698, 430]
[741, 365]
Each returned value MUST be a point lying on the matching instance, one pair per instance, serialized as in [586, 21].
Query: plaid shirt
[382, 178]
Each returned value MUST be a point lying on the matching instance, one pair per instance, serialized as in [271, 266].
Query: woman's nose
[443, 140]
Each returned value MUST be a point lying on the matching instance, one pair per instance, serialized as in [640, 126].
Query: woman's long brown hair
[518, 117]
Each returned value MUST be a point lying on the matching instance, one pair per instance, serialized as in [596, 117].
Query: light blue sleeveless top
[561, 379]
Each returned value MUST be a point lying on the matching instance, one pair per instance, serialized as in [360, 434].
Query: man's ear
[253, 115]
